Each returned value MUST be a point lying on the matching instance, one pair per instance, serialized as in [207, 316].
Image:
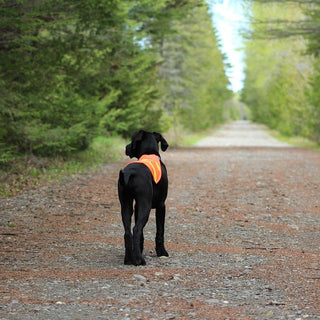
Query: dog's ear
[138, 136]
[162, 140]
[131, 148]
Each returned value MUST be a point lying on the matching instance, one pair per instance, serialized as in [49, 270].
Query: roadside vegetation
[282, 67]
[296, 141]
[76, 74]
[78, 78]
[29, 171]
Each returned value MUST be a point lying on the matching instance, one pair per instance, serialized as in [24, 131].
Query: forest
[74, 71]
[282, 49]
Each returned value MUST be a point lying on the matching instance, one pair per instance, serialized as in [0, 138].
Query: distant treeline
[74, 70]
[282, 85]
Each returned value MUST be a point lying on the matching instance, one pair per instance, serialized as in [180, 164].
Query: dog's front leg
[160, 219]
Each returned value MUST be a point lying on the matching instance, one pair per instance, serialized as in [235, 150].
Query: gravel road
[242, 231]
[241, 134]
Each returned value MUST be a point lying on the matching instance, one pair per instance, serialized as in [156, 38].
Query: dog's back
[136, 182]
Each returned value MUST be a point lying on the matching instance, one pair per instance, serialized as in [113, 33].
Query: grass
[31, 171]
[296, 141]
[179, 137]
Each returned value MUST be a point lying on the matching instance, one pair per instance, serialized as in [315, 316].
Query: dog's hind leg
[160, 219]
[142, 215]
[141, 237]
[126, 213]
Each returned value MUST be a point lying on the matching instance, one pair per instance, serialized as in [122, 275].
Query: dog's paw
[162, 252]
[128, 261]
[139, 261]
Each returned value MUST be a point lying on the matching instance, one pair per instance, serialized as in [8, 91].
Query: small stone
[139, 277]
[176, 277]
[191, 314]
[212, 301]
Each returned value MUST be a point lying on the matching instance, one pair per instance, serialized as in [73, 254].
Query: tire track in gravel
[242, 231]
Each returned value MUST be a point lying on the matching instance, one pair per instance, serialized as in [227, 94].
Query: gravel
[242, 231]
[241, 133]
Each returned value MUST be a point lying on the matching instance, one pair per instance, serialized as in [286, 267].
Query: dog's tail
[124, 177]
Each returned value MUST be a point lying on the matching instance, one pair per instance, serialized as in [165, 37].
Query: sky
[228, 19]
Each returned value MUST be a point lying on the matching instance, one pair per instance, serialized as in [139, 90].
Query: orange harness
[152, 161]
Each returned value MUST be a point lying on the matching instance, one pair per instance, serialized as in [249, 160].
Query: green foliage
[30, 171]
[313, 96]
[71, 70]
[6, 154]
[313, 13]
[277, 74]
[74, 70]
[282, 67]
[192, 78]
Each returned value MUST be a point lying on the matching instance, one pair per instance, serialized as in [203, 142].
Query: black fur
[136, 184]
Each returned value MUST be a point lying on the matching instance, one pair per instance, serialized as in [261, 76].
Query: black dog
[136, 183]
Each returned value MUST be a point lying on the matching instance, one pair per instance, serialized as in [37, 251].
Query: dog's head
[143, 142]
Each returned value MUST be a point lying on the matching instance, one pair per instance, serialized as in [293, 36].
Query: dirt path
[243, 234]
[241, 134]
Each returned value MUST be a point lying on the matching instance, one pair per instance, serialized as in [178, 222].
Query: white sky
[228, 19]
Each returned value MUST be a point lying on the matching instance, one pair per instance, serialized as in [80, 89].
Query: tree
[70, 70]
[73, 70]
[277, 72]
[192, 77]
